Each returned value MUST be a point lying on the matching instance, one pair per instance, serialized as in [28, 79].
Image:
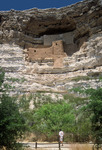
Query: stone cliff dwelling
[52, 50]
[53, 54]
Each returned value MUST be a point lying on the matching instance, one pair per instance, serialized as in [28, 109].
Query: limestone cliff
[25, 33]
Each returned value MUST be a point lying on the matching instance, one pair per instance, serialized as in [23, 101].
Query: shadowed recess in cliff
[0, 18]
[50, 26]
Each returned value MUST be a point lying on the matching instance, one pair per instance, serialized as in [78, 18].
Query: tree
[49, 118]
[2, 74]
[11, 120]
[95, 106]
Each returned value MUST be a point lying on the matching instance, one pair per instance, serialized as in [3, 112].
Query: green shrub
[78, 78]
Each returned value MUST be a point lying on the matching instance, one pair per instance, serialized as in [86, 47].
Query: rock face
[78, 26]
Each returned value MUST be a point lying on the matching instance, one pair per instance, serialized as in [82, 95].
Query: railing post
[36, 145]
[59, 145]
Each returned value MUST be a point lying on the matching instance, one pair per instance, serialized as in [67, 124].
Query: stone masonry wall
[47, 54]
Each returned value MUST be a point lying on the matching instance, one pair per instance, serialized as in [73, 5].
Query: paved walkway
[48, 146]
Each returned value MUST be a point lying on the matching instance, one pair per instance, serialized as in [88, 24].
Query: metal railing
[38, 145]
[44, 145]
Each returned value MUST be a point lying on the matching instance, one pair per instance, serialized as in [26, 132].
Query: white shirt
[61, 133]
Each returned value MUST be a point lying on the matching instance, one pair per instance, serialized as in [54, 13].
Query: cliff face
[78, 26]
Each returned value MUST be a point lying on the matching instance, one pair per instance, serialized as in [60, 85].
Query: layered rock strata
[78, 26]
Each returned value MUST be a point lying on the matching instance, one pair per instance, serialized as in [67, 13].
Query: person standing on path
[61, 135]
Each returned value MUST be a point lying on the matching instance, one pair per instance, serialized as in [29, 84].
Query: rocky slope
[79, 26]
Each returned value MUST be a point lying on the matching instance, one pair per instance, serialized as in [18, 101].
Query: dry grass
[81, 147]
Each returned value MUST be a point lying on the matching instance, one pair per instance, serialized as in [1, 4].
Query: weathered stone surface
[23, 27]
[79, 26]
